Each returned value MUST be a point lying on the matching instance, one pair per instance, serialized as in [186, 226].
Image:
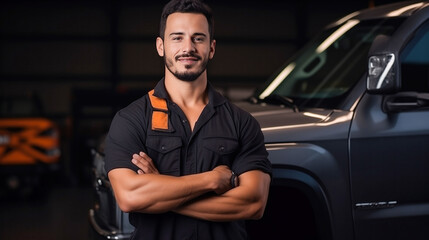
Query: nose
[188, 45]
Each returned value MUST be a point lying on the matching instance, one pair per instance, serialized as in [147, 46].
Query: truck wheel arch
[297, 191]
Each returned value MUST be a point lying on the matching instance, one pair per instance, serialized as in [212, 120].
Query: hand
[223, 174]
[145, 163]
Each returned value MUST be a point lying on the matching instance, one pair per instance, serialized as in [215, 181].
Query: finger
[145, 157]
[139, 162]
[148, 161]
[144, 164]
[137, 157]
[142, 158]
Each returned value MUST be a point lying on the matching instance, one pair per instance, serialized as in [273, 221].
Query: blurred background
[70, 65]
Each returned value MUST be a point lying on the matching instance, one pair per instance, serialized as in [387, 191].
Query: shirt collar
[215, 98]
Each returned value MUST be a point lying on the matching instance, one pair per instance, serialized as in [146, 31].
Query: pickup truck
[346, 125]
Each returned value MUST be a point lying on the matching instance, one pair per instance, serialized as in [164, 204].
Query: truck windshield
[328, 67]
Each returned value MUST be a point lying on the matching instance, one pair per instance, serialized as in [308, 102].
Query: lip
[186, 59]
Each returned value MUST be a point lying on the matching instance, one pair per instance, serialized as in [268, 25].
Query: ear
[212, 49]
[160, 46]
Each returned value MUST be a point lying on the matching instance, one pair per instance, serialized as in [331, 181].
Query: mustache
[188, 55]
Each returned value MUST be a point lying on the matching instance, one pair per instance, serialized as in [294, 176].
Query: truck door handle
[405, 101]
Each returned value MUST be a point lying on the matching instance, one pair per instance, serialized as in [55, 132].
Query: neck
[186, 93]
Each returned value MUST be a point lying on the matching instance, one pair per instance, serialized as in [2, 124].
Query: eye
[199, 39]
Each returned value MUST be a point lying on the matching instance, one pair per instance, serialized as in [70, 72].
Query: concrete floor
[61, 213]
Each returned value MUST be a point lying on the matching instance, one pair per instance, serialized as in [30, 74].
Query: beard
[186, 76]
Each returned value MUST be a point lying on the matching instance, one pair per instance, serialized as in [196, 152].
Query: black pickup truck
[346, 124]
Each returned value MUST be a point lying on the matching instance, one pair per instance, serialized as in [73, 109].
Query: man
[185, 162]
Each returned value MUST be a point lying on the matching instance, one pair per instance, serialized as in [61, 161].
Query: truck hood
[282, 124]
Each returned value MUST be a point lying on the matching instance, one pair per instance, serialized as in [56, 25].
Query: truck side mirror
[383, 67]
[382, 74]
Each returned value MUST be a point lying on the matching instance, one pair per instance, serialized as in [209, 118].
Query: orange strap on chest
[159, 113]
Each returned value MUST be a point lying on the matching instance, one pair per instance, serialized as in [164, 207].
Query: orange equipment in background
[28, 141]
[29, 147]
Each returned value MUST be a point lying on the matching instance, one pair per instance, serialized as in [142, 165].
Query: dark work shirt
[223, 135]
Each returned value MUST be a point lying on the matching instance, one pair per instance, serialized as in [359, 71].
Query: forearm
[226, 207]
[246, 201]
[155, 193]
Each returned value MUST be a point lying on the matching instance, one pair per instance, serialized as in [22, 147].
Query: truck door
[389, 153]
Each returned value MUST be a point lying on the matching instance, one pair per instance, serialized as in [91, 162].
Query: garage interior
[84, 60]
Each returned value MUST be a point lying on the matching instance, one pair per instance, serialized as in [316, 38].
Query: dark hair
[186, 6]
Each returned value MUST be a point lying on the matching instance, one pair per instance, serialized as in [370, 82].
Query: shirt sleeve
[126, 136]
[252, 154]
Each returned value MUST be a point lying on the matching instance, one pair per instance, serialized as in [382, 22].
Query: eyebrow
[181, 33]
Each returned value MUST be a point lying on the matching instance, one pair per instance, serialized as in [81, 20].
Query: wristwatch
[234, 179]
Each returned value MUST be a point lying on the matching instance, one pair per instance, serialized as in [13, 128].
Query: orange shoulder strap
[159, 113]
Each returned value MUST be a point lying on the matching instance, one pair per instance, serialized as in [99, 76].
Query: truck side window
[415, 62]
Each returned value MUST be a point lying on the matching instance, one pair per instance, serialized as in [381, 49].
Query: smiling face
[186, 47]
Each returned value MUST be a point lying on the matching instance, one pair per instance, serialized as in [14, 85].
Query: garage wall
[82, 57]
[52, 47]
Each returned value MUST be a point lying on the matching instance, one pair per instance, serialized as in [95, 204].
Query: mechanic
[185, 162]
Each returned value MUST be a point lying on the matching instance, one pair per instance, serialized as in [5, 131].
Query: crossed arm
[205, 195]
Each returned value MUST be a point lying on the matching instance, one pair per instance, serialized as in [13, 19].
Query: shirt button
[163, 148]
[221, 148]
[184, 121]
